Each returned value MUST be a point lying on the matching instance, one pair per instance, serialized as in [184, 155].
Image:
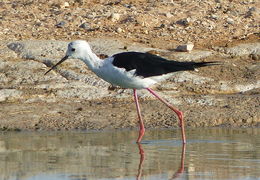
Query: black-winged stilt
[133, 70]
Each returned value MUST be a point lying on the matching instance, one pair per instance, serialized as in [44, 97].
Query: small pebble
[185, 48]
[230, 21]
[60, 24]
[91, 16]
[146, 31]
[38, 22]
[168, 15]
[184, 22]
[143, 24]
[85, 26]
[213, 16]
[119, 30]
[171, 28]
[115, 17]
[164, 34]
[65, 5]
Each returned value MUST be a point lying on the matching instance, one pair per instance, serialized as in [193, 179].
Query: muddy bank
[240, 110]
[72, 97]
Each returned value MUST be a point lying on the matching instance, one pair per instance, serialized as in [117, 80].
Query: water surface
[209, 154]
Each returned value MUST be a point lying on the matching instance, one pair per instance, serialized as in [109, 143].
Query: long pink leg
[141, 123]
[179, 113]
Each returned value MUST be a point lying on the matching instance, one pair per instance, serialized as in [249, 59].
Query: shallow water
[209, 154]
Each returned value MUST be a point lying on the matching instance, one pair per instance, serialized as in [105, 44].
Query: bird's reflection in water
[181, 168]
[176, 175]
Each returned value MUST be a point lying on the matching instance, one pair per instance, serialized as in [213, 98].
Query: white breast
[120, 77]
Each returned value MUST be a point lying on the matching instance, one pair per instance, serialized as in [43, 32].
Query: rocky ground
[34, 35]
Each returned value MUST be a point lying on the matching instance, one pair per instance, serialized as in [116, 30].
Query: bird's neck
[92, 61]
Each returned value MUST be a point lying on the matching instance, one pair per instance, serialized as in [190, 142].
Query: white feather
[121, 77]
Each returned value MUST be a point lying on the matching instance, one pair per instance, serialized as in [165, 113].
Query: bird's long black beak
[63, 59]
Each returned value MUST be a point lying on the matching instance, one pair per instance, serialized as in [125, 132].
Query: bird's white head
[78, 49]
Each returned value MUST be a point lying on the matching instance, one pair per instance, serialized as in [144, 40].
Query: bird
[133, 70]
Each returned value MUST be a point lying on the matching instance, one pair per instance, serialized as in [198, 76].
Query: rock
[128, 19]
[85, 26]
[119, 30]
[162, 26]
[114, 17]
[185, 48]
[127, 5]
[60, 24]
[168, 15]
[204, 23]
[164, 34]
[144, 24]
[91, 16]
[230, 21]
[77, 33]
[65, 5]
[172, 27]
[213, 16]
[184, 22]
[38, 22]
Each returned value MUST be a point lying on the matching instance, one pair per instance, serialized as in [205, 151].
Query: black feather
[147, 65]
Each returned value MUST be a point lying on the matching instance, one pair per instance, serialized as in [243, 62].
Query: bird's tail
[189, 65]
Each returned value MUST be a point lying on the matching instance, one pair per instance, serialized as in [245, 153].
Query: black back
[147, 64]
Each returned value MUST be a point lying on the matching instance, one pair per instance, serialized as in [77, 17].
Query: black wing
[147, 64]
